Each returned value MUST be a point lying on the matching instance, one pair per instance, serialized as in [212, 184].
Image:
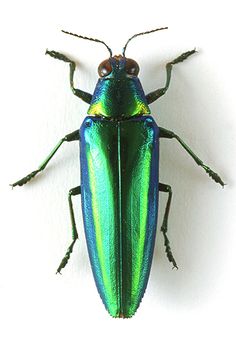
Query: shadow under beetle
[119, 154]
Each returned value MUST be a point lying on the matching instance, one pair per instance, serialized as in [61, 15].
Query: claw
[214, 176]
[25, 179]
[66, 257]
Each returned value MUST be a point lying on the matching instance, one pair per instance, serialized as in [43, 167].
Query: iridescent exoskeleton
[119, 155]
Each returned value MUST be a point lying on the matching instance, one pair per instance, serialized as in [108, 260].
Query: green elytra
[119, 150]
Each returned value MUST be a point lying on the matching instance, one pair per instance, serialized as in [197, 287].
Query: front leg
[86, 97]
[154, 95]
[169, 134]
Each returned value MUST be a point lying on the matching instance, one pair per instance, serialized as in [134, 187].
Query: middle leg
[164, 133]
[74, 136]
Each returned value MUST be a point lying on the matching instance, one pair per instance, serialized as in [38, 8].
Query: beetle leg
[154, 95]
[86, 97]
[73, 192]
[169, 134]
[68, 138]
[167, 188]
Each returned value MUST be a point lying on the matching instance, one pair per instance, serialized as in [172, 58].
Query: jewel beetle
[119, 155]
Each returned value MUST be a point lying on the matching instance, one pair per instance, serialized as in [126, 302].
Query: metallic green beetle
[119, 152]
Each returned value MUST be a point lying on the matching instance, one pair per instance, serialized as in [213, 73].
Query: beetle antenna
[139, 34]
[90, 39]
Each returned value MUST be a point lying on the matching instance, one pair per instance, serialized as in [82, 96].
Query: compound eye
[104, 69]
[132, 67]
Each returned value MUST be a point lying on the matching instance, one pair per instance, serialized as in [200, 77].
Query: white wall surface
[192, 306]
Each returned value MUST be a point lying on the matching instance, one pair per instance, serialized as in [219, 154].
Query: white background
[192, 306]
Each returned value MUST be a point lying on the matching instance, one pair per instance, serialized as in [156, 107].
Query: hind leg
[167, 188]
[73, 192]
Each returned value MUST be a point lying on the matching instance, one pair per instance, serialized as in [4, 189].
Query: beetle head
[118, 67]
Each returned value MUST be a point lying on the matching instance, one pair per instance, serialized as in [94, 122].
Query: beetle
[119, 152]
